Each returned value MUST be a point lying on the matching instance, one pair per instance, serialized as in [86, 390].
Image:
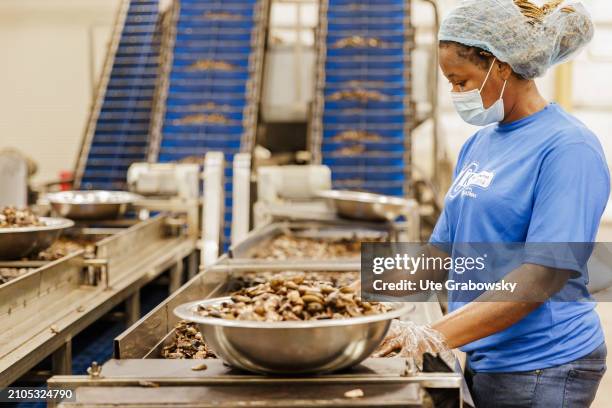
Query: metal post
[61, 359]
[132, 308]
[241, 197]
[214, 205]
[192, 266]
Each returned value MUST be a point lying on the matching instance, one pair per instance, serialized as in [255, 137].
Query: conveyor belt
[377, 65]
[212, 76]
[118, 131]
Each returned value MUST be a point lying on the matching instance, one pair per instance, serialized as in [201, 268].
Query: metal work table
[138, 376]
[141, 378]
[170, 383]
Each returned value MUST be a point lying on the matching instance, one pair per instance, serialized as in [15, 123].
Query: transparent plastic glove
[407, 339]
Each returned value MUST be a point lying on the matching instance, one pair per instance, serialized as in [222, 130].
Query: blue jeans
[571, 385]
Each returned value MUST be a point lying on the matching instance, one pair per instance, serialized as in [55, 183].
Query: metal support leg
[192, 265]
[62, 359]
[132, 308]
[176, 277]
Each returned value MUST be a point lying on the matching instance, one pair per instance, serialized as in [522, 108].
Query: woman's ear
[504, 70]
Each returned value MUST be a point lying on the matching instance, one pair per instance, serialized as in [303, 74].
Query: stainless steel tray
[308, 229]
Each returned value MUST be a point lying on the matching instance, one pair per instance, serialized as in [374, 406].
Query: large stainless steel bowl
[91, 205]
[296, 347]
[365, 206]
[20, 242]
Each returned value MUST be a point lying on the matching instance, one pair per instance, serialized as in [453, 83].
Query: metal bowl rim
[361, 197]
[120, 197]
[186, 312]
[58, 224]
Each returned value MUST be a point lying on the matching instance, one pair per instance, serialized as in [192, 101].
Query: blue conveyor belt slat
[375, 164]
[219, 31]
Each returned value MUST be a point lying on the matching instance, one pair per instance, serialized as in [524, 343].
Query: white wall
[50, 52]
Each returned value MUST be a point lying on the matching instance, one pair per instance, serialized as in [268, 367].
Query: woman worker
[534, 174]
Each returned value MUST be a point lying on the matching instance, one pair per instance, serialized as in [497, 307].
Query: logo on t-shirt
[469, 178]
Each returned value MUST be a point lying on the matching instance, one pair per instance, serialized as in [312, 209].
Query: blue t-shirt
[543, 178]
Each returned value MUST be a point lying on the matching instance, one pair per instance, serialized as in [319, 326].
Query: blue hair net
[528, 37]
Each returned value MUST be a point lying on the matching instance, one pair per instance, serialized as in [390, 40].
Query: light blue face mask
[470, 107]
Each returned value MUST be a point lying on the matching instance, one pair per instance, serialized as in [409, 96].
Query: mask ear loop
[503, 89]
[487, 77]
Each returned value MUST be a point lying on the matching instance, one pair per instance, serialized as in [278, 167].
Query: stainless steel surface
[91, 205]
[298, 347]
[174, 383]
[29, 306]
[228, 265]
[125, 247]
[150, 395]
[19, 242]
[265, 213]
[42, 310]
[366, 206]
[259, 237]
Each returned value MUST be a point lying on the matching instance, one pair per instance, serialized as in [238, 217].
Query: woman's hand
[408, 339]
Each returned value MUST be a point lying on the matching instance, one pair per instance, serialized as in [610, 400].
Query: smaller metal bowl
[91, 205]
[365, 206]
[20, 242]
[295, 347]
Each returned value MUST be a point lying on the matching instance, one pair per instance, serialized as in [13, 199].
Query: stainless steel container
[299, 347]
[366, 206]
[91, 205]
[20, 242]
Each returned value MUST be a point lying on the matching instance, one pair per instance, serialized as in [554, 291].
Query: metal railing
[255, 83]
[315, 133]
[166, 54]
